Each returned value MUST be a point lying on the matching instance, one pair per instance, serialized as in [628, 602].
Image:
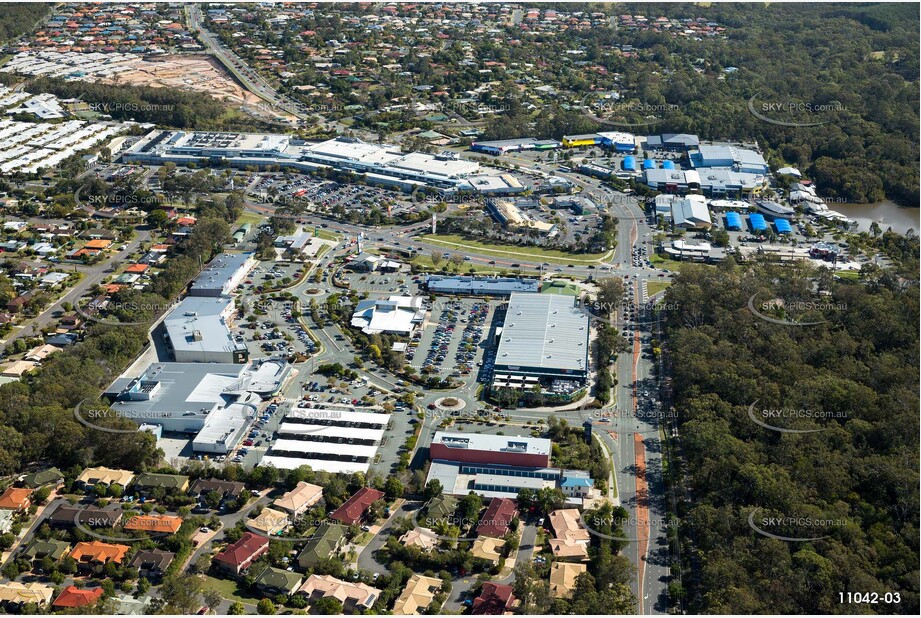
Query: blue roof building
[733, 221]
[668, 164]
[649, 164]
[630, 164]
[783, 226]
[757, 223]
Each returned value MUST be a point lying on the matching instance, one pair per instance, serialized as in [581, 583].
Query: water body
[887, 214]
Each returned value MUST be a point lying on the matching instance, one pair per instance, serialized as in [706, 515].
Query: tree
[237, 609]
[265, 607]
[158, 219]
[610, 296]
[433, 489]
[328, 606]
[393, 487]
[181, 593]
[437, 257]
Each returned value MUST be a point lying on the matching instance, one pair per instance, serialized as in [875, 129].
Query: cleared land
[453, 241]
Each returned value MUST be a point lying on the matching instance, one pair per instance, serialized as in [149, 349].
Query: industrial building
[545, 337]
[215, 401]
[397, 315]
[335, 439]
[198, 331]
[380, 164]
[616, 140]
[729, 157]
[480, 286]
[500, 147]
[672, 141]
[222, 275]
[691, 212]
[490, 449]
[733, 222]
[757, 223]
[709, 181]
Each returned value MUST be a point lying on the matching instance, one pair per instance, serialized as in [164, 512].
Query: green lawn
[229, 590]
[453, 241]
[327, 235]
[248, 217]
[661, 262]
[425, 261]
[654, 287]
[848, 274]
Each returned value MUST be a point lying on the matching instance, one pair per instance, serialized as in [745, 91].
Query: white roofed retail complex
[198, 331]
[691, 212]
[383, 164]
[398, 315]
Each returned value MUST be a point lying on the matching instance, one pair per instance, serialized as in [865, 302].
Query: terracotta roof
[155, 523]
[15, 498]
[241, 551]
[497, 518]
[97, 551]
[354, 508]
[303, 496]
[418, 594]
[77, 597]
[494, 599]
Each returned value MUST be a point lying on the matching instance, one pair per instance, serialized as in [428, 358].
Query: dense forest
[18, 18]
[852, 486]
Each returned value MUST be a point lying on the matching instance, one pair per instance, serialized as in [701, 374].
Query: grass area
[848, 274]
[327, 235]
[229, 590]
[654, 287]
[425, 261]
[247, 217]
[661, 262]
[453, 241]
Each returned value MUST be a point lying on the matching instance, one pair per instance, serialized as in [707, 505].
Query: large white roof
[544, 331]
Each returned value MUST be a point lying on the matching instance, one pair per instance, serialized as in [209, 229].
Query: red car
[247, 442]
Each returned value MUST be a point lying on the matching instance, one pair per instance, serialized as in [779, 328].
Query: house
[16, 594]
[163, 524]
[41, 352]
[97, 244]
[237, 557]
[146, 483]
[73, 597]
[7, 517]
[571, 539]
[274, 581]
[353, 510]
[17, 304]
[50, 476]
[107, 476]
[70, 321]
[323, 545]
[127, 605]
[269, 522]
[16, 499]
[40, 549]
[18, 369]
[494, 600]
[137, 269]
[67, 516]
[487, 548]
[227, 490]
[440, 507]
[95, 554]
[355, 597]
[563, 577]
[152, 563]
[299, 499]
[497, 519]
[63, 340]
[418, 594]
[422, 538]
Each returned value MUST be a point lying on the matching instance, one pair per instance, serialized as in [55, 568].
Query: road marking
[642, 514]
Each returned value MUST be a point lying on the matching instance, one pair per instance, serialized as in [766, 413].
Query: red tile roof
[499, 515]
[494, 600]
[244, 549]
[77, 597]
[354, 508]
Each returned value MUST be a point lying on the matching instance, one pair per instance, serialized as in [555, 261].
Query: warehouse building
[223, 275]
[733, 222]
[500, 147]
[675, 142]
[198, 331]
[212, 400]
[717, 183]
[616, 140]
[480, 286]
[691, 212]
[729, 157]
[545, 337]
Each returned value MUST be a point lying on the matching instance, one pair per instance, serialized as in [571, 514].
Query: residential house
[16, 499]
[152, 563]
[422, 538]
[323, 545]
[274, 581]
[440, 507]
[147, 483]
[299, 499]
[107, 476]
[17, 594]
[153, 522]
[497, 519]
[7, 518]
[353, 510]
[18, 304]
[95, 554]
[494, 600]
[487, 548]
[18, 369]
[50, 476]
[72, 597]
[571, 539]
[226, 489]
[40, 549]
[67, 516]
[269, 522]
[354, 596]
[127, 605]
[418, 594]
[563, 577]
[41, 352]
[238, 557]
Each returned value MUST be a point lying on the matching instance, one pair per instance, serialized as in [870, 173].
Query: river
[886, 213]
